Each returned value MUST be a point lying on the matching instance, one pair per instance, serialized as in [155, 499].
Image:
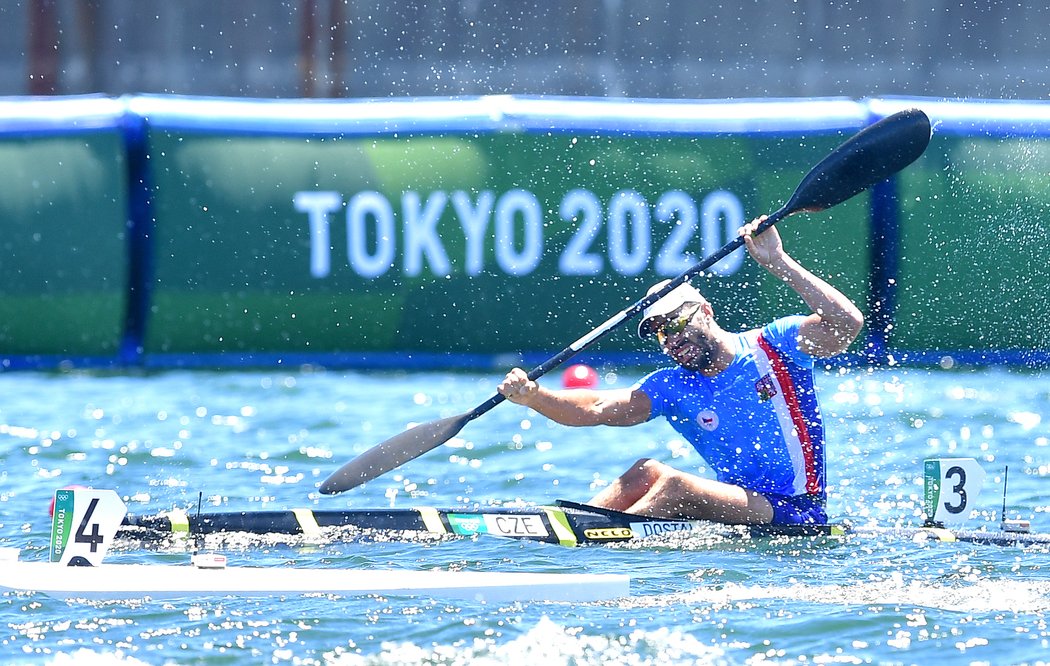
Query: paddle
[869, 157]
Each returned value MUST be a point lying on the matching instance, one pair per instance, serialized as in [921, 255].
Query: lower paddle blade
[393, 453]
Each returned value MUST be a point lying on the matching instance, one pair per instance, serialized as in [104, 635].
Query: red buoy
[579, 376]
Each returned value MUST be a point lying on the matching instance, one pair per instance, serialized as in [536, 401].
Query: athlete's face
[685, 336]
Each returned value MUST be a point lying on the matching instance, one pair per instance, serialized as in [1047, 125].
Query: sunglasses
[676, 325]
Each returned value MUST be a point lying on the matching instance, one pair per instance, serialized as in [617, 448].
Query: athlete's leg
[632, 485]
[651, 488]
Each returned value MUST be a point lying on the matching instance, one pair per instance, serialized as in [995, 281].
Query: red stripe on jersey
[787, 386]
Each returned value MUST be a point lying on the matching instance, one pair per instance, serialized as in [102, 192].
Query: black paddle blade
[865, 159]
[393, 453]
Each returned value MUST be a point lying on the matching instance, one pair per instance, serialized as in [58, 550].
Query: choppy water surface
[267, 439]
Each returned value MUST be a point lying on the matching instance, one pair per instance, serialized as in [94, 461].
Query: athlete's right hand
[517, 387]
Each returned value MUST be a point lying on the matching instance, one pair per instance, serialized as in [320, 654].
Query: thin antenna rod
[1006, 474]
[199, 541]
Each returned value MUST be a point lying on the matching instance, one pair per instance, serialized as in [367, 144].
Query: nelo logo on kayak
[609, 533]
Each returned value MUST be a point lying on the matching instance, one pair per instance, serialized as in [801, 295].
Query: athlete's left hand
[766, 248]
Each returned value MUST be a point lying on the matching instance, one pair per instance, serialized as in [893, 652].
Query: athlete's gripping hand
[765, 248]
[517, 387]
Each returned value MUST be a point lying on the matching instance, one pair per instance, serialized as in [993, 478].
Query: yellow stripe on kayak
[560, 524]
[432, 520]
[940, 534]
[180, 522]
[307, 522]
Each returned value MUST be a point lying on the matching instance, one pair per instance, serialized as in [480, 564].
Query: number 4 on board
[83, 526]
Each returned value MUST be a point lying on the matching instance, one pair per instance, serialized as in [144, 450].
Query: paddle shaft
[620, 317]
[418, 440]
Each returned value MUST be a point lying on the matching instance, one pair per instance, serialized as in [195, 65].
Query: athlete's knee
[669, 481]
[649, 469]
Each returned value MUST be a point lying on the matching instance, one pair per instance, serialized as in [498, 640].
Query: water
[267, 439]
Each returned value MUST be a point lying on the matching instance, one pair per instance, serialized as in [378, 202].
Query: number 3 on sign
[951, 486]
[84, 523]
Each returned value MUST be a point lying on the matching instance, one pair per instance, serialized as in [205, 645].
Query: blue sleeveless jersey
[757, 424]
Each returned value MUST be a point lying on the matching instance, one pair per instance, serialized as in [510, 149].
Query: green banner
[975, 244]
[63, 220]
[486, 242]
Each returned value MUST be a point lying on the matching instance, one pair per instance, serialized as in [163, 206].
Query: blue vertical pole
[140, 225]
[884, 270]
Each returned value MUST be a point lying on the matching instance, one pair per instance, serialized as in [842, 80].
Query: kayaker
[745, 401]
